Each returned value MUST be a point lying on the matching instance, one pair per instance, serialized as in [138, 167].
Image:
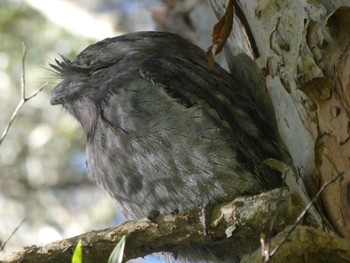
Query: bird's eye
[98, 69]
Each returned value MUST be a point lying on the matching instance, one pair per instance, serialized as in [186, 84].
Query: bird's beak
[65, 91]
[58, 94]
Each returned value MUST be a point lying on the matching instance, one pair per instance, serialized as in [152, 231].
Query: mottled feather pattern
[165, 131]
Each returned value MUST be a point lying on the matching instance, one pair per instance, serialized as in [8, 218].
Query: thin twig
[304, 212]
[23, 99]
[264, 247]
[3, 245]
[23, 78]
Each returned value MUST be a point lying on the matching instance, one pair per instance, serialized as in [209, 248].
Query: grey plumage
[165, 132]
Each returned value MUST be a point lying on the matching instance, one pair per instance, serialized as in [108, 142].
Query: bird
[166, 132]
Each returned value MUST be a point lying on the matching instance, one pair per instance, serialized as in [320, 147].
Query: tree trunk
[302, 47]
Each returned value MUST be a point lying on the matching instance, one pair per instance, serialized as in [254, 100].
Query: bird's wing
[195, 83]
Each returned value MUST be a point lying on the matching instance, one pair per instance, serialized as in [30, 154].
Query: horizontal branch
[242, 221]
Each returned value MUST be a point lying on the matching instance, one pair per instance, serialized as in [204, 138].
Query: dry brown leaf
[221, 32]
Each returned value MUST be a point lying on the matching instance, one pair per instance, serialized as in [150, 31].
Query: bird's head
[128, 51]
[103, 66]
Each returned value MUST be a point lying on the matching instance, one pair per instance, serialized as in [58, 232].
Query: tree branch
[241, 221]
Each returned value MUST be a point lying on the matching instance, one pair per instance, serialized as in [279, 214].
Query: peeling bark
[303, 51]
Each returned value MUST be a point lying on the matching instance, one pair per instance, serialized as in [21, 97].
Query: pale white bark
[303, 49]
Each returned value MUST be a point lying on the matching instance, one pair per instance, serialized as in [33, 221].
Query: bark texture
[303, 49]
[241, 221]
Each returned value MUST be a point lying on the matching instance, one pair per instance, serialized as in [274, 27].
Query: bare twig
[23, 99]
[3, 245]
[302, 214]
[265, 242]
[20, 104]
[264, 247]
[23, 78]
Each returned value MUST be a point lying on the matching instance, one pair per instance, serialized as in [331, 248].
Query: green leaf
[117, 253]
[78, 253]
